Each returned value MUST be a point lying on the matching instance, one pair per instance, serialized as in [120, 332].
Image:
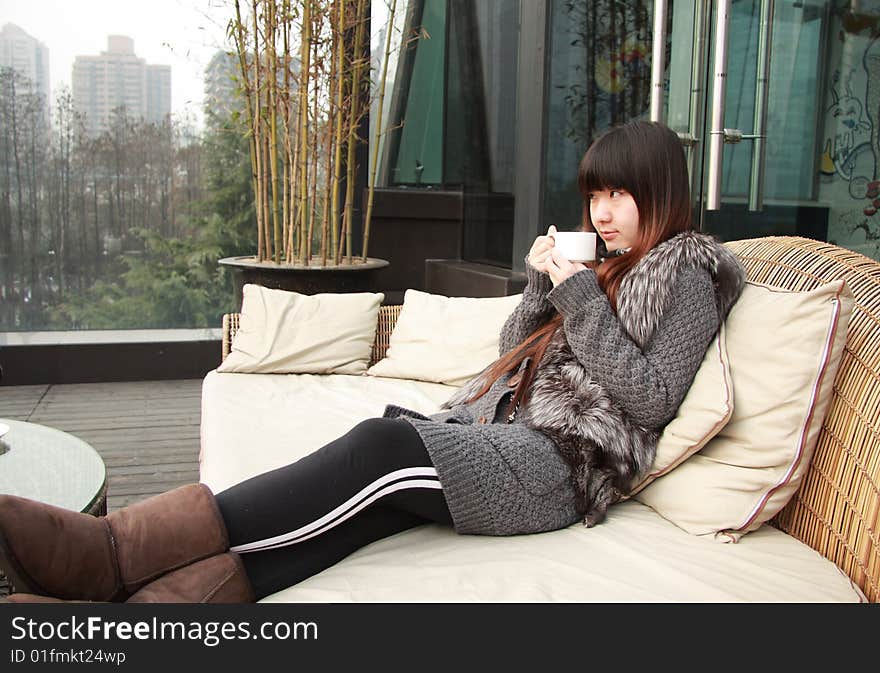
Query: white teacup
[576, 246]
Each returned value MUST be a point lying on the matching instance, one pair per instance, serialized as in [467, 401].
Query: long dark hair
[646, 160]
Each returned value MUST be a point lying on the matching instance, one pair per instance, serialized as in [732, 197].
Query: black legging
[374, 481]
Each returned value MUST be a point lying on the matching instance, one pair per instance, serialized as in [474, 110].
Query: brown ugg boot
[33, 598]
[219, 579]
[50, 551]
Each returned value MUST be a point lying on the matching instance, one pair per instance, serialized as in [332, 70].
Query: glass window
[110, 221]
[820, 172]
[481, 93]
[599, 76]
[451, 116]
[415, 146]
[481, 123]
[795, 64]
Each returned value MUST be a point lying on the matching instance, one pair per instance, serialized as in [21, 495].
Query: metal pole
[716, 138]
[698, 90]
[762, 82]
[658, 56]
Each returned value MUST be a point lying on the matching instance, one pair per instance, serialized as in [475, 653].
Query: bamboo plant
[305, 78]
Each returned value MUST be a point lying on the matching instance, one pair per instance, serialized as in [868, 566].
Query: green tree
[176, 281]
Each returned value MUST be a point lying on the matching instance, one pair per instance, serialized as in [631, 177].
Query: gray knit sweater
[503, 478]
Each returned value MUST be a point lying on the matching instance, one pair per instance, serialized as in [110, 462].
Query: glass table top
[49, 465]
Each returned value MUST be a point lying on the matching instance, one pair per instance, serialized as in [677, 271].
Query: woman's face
[615, 216]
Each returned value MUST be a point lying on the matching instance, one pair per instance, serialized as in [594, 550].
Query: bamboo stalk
[313, 143]
[350, 167]
[258, 143]
[294, 184]
[264, 244]
[328, 147]
[285, 131]
[305, 55]
[241, 47]
[338, 115]
[285, 169]
[325, 204]
[328, 158]
[270, 254]
[272, 87]
[293, 240]
[337, 254]
[375, 159]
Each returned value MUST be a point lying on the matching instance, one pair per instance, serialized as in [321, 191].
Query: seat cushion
[253, 423]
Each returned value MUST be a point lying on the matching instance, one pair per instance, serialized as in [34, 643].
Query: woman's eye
[615, 193]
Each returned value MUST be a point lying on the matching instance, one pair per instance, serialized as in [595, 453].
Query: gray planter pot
[304, 279]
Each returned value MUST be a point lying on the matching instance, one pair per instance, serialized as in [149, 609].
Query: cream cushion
[444, 339]
[251, 424]
[284, 332]
[706, 408]
[784, 349]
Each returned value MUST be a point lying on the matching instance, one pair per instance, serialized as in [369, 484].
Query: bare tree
[63, 193]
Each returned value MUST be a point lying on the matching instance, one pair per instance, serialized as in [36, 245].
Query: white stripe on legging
[366, 496]
[406, 484]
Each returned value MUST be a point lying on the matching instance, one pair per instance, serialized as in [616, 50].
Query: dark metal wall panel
[409, 227]
[81, 363]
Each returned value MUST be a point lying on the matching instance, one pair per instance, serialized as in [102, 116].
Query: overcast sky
[184, 34]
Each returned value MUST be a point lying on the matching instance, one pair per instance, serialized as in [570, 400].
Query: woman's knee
[381, 432]
[393, 438]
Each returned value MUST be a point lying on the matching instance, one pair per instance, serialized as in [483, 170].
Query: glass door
[788, 92]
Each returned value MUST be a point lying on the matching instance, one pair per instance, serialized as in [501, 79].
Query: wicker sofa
[822, 547]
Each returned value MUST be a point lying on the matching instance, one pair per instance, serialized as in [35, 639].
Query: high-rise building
[221, 87]
[28, 56]
[117, 78]
[223, 94]
[158, 92]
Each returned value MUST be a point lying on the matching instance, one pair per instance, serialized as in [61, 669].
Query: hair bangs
[606, 165]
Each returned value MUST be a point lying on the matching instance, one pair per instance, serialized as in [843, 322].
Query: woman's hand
[539, 255]
[560, 268]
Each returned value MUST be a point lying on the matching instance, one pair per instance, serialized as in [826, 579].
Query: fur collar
[645, 291]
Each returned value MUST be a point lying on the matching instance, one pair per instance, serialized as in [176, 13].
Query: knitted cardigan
[602, 393]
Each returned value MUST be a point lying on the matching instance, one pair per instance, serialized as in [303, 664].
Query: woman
[594, 362]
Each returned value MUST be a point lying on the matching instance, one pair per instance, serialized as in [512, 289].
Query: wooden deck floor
[146, 432]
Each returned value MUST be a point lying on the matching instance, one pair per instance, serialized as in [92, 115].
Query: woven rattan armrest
[385, 325]
[836, 510]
